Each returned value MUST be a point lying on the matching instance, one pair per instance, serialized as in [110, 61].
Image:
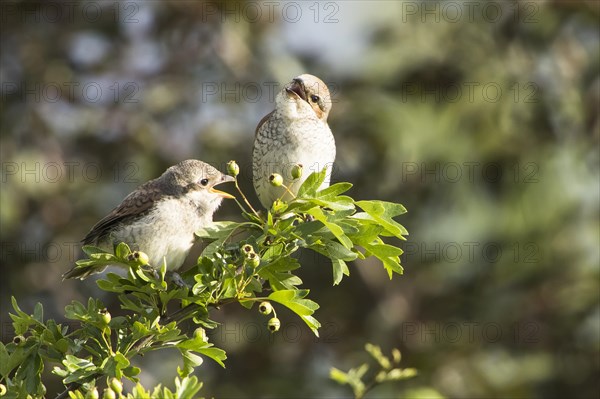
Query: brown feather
[262, 121]
[134, 205]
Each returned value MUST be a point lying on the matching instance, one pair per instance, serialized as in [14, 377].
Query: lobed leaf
[312, 183]
[294, 300]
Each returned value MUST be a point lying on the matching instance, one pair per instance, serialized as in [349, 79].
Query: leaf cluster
[249, 261]
[388, 370]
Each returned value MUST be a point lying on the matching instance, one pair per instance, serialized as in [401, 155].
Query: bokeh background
[480, 117]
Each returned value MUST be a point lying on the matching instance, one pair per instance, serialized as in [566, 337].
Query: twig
[245, 200]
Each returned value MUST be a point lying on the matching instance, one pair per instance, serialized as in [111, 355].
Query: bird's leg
[150, 269]
[177, 280]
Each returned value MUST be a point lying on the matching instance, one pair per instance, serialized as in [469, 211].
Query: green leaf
[122, 250]
[216, 354]
[90, 250]
[198, 344]
[338, 375]
[113, 365]
[334, 190]
[375, 351]
[383, 250]
[130, 372]
[312, 183]
[210, 250]
[280, 280]
[293, 300]
[79, 369]
[388, 255]
[272, 252]
[4, 361]
[30, 371]
[75, 311]
[337, 251]
[190, 362]
[187, 387]
[99, 258]
[113, 283]
[353, 378]
[351, 227]
[217, 230]
[383, 212]
[73, 363]
[62, 345]
[22, 321]
[38, 312]
[17, 357]
[340, 268]
[308, 228]
[367, 233]
[392, 266]
[278, 273]
[342, 203]
[338, 255]
[384, 209]
[335, 229]
[402, 374]
[312, 323]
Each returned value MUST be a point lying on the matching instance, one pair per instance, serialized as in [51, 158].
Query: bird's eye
[314, 98]
[204, 182]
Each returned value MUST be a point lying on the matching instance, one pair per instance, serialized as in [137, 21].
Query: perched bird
[296, 132]
[161, 216]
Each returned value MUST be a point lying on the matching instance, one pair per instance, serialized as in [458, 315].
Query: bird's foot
[308, 218]
[177, 280]
[155, 274]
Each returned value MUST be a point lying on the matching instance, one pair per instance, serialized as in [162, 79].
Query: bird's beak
[297, 87]
[224, 179]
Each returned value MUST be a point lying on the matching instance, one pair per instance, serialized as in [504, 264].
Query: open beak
[224, 179]
[297, 87]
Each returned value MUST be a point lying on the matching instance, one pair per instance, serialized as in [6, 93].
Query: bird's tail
[82, 272]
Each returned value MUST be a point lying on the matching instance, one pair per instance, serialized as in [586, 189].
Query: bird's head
[308, 94]
[197, 180]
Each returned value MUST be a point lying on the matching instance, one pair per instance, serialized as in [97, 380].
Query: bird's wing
[262, 121]
[134, 205]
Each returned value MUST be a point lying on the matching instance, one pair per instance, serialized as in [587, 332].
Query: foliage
[480, 117]
[388, 371]
[245, 262]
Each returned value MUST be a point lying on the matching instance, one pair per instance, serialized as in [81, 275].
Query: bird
[161, 216]
[295, 133]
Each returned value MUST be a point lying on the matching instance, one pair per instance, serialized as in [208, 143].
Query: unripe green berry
[247, 249]
[116, 385]
[252, 259]
[232, 168]
[19, 340]
[274, 324]
[276, 180]
[92, 394]
[109, 394]
[297, 171]
[265, 308]
[139, 257]
[105, 316]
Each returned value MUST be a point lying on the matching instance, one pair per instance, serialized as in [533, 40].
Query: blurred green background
[480, 117]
